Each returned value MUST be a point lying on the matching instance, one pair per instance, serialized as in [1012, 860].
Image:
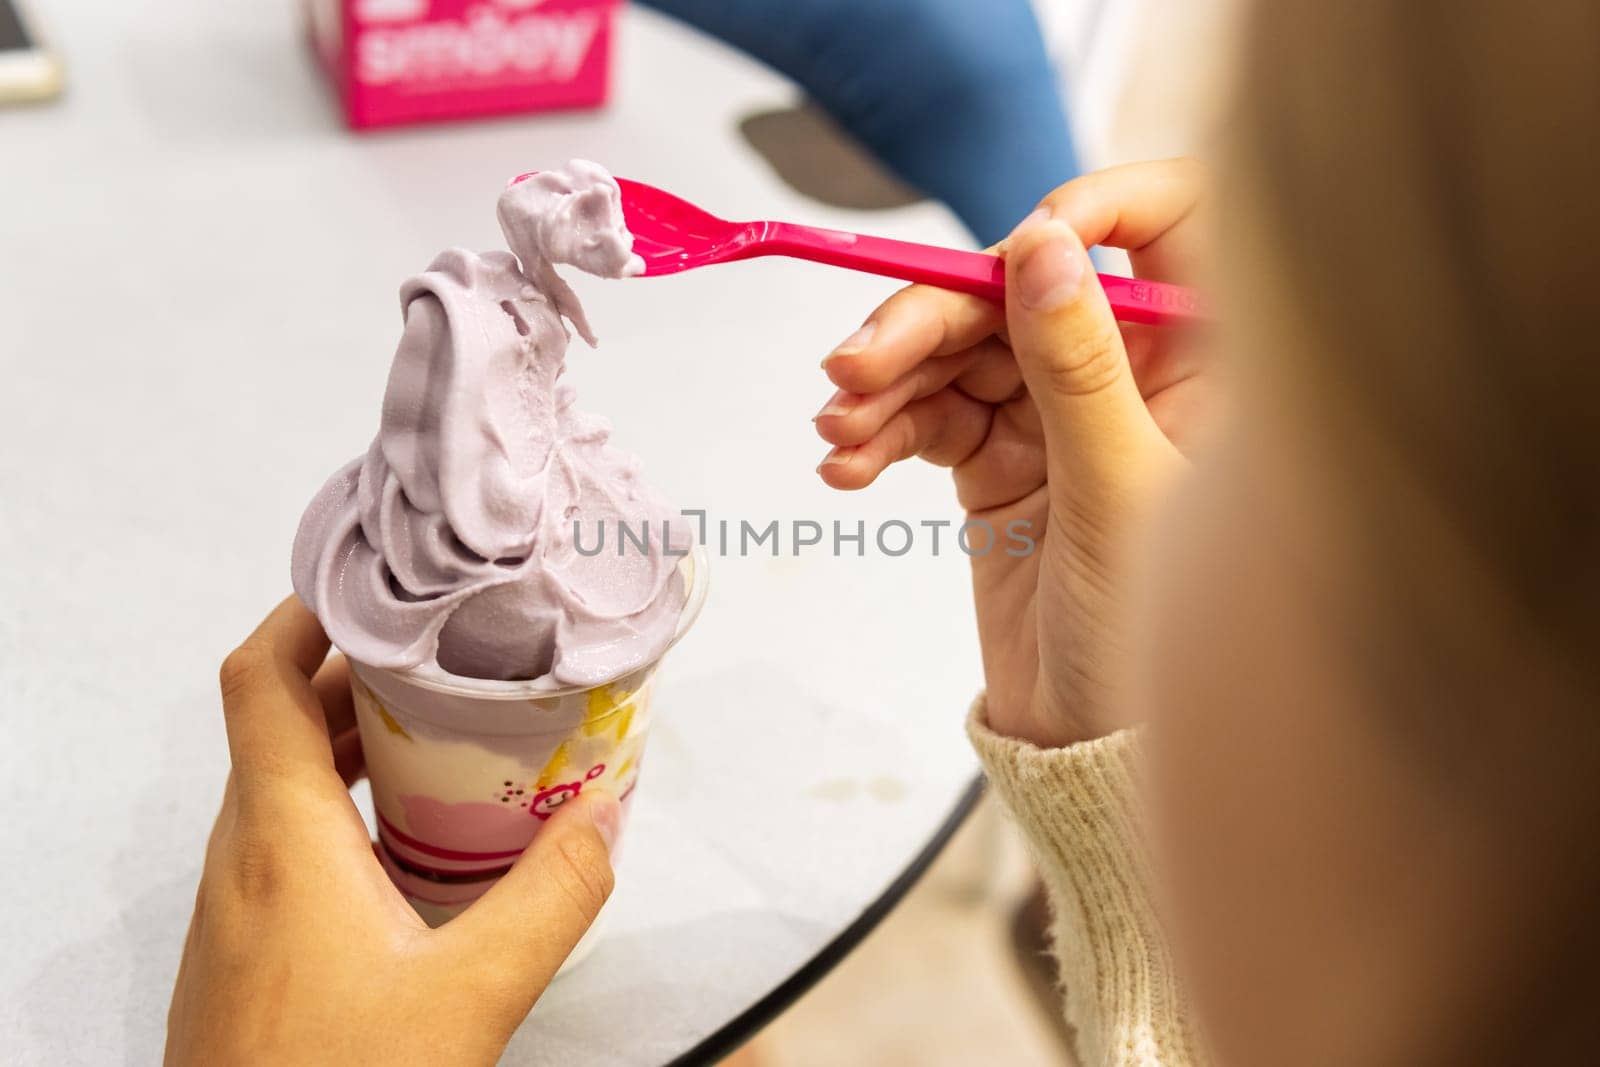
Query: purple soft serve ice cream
[450, 544]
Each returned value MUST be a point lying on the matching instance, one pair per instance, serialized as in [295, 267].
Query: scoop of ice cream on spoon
[671, 235]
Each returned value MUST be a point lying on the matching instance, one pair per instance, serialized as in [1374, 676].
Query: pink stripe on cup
[443, 874]
[442, 853]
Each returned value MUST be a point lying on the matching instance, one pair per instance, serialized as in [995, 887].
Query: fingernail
[1039, 215]
[838, 404]
[606, 814]
[835, 456]
[854, 343]
[1052, 273]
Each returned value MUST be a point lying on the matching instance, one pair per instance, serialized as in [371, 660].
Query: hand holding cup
[301, 949]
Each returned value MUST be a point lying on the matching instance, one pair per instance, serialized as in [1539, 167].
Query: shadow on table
[104, 999]
[683, 973]
[814, 156]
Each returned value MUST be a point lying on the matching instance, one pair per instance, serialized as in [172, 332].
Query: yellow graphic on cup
[604, 701]
[389, 722]
[558, 763]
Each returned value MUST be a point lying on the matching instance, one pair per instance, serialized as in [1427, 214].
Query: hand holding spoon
[672, 235]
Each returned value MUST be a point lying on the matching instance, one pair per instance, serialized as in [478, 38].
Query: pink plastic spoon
[671, 235]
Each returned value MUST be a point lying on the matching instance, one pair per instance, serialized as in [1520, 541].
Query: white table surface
[198, 274]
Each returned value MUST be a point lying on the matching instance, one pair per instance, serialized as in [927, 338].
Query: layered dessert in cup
[502, 581]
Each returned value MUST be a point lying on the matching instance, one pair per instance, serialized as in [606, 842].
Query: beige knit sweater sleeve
[1077, 807]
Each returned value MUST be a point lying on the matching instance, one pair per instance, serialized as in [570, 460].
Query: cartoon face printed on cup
[546, 801]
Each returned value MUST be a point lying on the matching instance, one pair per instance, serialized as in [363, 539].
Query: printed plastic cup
[465, 772]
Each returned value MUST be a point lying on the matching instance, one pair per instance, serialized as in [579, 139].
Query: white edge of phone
[32, 73]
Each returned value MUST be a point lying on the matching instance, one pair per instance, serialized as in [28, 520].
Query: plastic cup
[466, 771]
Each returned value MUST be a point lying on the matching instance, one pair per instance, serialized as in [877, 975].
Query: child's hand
[1053, 418]
[300, 950]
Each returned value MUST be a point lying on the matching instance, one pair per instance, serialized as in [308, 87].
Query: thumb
[1069, 349]
[525, 926]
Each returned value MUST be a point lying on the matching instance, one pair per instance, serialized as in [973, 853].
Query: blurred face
[1244, 716]
[1312, 897]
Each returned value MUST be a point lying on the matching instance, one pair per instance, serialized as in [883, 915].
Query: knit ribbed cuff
[1078, 808]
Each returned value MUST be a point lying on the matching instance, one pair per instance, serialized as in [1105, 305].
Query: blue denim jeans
[956, 97]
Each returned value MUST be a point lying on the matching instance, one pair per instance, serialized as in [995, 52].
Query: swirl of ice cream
[451, 543]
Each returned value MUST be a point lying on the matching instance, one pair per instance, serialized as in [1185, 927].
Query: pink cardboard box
[395, 61]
